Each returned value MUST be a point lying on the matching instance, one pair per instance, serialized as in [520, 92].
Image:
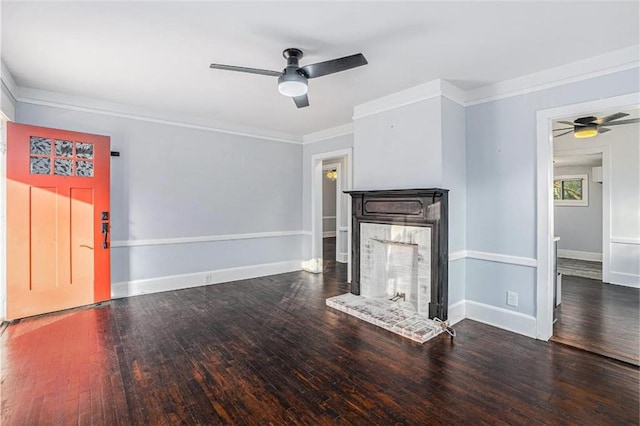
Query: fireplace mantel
[409, 207]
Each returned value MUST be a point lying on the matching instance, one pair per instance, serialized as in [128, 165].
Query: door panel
[57, 188]
[43, 244]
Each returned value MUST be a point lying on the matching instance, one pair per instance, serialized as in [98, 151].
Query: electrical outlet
[512, 298]
[208, 278]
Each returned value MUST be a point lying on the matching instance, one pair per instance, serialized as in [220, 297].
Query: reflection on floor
[580, 268]
[600, 318]
[331, 268]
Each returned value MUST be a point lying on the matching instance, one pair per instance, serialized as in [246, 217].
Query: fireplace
[405, 212]
[400, 260]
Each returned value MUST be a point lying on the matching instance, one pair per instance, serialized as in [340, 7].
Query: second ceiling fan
[292, 81]
[586, 127]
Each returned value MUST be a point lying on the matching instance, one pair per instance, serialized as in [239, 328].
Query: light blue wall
[173, 182]
[501, 188]
[399, 148]
[454, 176]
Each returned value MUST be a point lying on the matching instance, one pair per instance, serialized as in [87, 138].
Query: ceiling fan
[586, 127]
[292, 81]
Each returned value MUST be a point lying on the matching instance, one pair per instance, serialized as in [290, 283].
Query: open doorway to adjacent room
[595, 224]
[331, 213]
[330, 203]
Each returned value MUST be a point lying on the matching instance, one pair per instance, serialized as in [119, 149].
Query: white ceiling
[156, 54]
[578, 160]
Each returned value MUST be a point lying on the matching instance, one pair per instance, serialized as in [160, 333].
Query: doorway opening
[589, 289]
[322, 222]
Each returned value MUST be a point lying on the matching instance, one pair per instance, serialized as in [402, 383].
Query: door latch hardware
[105, 231]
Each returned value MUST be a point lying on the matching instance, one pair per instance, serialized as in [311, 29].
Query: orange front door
[57, 220]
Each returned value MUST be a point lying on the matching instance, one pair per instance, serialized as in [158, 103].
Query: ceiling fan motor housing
[292, 82]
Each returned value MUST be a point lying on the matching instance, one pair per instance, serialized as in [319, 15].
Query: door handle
[105, 231]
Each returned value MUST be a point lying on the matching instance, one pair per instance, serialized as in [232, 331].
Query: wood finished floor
[580, 268]
[601, 318]
[268, 351]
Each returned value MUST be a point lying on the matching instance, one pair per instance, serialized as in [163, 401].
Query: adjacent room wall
[233, 200]
[501, 194]
[580, 228]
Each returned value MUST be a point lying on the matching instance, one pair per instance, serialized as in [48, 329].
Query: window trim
[585, 191]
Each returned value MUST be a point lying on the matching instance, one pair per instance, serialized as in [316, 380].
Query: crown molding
[453, 93]
[419, 93]
[8, 81]
[596, 66]
[615, 61]
[330, 133]
[76, 103]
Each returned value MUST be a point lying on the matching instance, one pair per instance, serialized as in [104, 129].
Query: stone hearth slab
[397, 317]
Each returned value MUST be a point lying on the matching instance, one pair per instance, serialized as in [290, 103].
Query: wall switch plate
[208, 278]
[512, 298]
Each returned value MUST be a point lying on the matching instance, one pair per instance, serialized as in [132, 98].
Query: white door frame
[316, 205]
[544, 197]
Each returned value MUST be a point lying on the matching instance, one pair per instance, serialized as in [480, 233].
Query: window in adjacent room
[571, 190]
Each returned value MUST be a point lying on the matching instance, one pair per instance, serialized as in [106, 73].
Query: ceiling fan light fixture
[582, 132]
[292, 85]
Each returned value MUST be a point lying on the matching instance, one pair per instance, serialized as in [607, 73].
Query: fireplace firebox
[407, 229]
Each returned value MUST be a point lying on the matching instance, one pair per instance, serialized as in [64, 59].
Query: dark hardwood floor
[600, 318]
[268, 351]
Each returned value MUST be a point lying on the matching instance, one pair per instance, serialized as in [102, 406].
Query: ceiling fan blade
[245, 69]
[301, 101]
[629, 121]
[566, 122]
[563, 128]
[603, 130]
[611, 117]
[562, 134]
[334, 65]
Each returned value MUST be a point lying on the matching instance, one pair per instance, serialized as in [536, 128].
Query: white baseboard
[580, 255]
[457, 312]
[328, 234]
[342, 257]
[177, 282]
[312, 265]
[624, 279]
[501, 318]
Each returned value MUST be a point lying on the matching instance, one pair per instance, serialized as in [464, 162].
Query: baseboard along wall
[580, 255]
[178, 282]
